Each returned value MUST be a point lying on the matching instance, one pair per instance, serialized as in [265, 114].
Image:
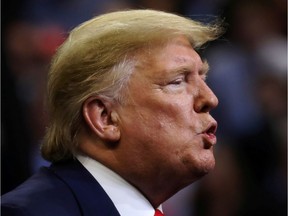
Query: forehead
[169, 57]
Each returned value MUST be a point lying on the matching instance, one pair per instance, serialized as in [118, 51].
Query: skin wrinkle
[181, 59]
[123, 32]
[127, 89]
[167, 120]
[161, 122]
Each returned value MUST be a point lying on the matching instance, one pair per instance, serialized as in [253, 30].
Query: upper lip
[211, 128]
[210, 137]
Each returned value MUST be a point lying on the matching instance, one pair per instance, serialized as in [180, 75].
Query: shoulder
[42, 194]
[65, 189]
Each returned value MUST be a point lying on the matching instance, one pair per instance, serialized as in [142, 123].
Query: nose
[205, 100]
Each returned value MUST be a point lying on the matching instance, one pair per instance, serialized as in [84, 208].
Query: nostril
[205, 108]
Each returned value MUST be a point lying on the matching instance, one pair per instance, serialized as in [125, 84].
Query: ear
[101, 119]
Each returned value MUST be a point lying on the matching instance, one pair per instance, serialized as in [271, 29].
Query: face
[165, 125]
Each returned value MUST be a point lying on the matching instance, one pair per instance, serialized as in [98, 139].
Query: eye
[177, 81]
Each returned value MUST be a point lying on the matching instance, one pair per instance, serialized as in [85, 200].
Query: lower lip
[210, 138]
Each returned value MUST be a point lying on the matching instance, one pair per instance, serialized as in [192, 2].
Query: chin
[200, 173]
[207, 167]
[203, 167]
[200, 165]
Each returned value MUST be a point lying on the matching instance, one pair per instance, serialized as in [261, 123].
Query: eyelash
[178, 81]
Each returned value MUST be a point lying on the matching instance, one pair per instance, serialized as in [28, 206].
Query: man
[130, 123]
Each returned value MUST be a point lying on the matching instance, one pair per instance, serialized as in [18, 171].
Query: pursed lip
[209, 135]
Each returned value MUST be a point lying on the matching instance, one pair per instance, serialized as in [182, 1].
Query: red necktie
[158, 213]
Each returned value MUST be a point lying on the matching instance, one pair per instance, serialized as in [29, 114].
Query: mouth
[209, 135]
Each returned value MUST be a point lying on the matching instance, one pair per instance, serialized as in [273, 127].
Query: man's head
[128, 89]
[119, 80]
[98, 58]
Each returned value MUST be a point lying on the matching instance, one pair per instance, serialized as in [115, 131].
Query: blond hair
[97, 59]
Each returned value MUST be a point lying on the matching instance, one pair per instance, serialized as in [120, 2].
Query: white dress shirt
[126, 198]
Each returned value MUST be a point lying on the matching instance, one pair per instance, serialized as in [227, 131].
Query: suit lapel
[91, 197]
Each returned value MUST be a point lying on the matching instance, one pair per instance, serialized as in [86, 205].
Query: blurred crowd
[248, 73]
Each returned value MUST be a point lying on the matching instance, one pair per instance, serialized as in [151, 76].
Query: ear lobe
[101, 119]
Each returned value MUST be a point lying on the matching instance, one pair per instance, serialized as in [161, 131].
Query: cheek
[175, 110]
[163, 122]
[175, 124]
[197, 160]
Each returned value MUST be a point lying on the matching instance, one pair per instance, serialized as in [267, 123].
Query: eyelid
[178, 80]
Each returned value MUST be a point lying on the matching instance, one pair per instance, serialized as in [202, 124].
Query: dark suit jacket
[63, 189]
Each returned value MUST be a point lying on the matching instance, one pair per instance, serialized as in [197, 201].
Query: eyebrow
[205, 68]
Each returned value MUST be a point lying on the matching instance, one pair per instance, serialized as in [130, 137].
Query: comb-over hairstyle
[98, 58]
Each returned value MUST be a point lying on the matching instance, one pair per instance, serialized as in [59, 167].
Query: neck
[154, 183]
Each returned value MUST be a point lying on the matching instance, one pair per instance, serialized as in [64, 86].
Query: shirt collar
[127, 199]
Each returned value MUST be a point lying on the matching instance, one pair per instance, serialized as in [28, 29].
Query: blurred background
[248, 74]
